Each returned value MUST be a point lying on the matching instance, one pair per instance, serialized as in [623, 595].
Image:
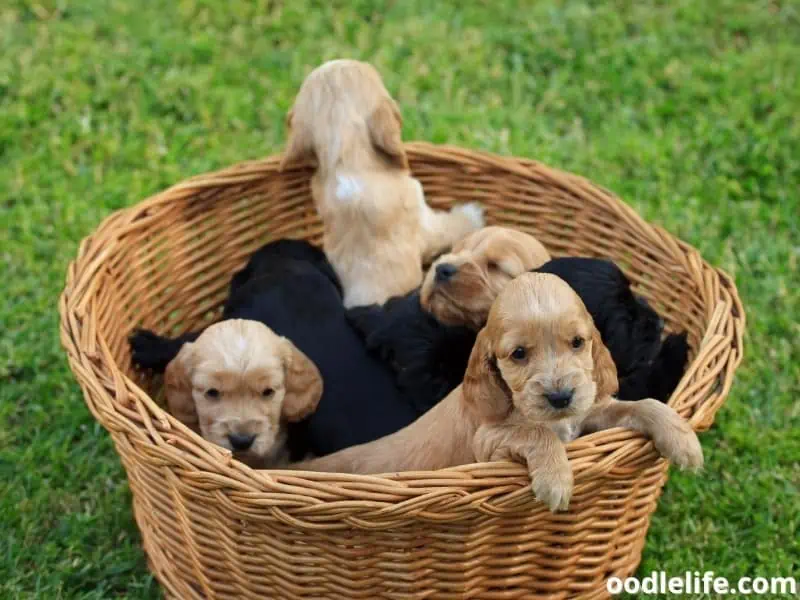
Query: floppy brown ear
[178, 388]
[385, 126]
[605, 371]
[484, 389]
[299, 147]
[303, 384]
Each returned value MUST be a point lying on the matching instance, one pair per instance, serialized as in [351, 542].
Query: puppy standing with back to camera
[426, 336]
[538, 377]
[378, 228]
[290, 287]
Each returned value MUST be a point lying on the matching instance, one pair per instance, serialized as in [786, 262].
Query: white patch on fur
[473, 211]
[347, 187]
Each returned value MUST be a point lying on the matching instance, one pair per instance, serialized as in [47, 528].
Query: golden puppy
[238, 384]
[538, 376]
[460, 286]
[378, 229]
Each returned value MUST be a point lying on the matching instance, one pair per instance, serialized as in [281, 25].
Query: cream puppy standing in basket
[538, 377]
[378, 229]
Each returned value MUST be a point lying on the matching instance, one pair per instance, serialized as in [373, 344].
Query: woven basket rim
[86, 354]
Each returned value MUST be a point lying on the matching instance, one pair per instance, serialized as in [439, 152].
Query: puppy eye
[212, 393]
[267, 392]
[577, 342]
[519, 353]
[492, 266]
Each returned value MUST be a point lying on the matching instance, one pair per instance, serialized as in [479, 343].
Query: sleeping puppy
[378, 229]
[290, 287]
[461, 285]
[429, 357]
[239, 385]
[538, 377]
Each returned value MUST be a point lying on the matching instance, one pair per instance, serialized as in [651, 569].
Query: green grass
[688, 110]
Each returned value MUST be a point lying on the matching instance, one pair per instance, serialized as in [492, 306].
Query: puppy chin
[444, 310]
[277, 456]
[269, 450]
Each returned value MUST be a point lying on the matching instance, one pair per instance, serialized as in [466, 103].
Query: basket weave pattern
[214, 528]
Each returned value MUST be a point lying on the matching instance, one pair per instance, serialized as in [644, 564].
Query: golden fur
[378, 229]
[240, 378]
[539, 339]
[486, 261]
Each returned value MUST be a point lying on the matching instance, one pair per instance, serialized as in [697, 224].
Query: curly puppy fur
[461, 285]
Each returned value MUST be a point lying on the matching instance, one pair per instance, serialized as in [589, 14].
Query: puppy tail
[154, 352]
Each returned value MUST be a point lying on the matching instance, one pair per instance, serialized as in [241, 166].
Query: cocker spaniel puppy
[290, 287]
[238, 385]
[461, 285]
[538, 376]
[378, 229]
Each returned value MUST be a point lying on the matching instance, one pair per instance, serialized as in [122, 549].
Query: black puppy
[430, 358]
[289, 286]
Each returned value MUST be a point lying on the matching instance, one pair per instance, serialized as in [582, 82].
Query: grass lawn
[690, 111]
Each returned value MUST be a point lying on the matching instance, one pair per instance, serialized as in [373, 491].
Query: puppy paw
[553, 486]
[473, 211]
[675, 439]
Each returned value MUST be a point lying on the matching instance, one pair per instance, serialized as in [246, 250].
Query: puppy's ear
[299, 148]
[605, 371]
[178, 387]
[303, 383]
[485, 391]
[385, 128]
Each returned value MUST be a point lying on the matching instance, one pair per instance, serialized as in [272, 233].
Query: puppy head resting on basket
[378, 229]
[538, 376]
[238, 384]
[461, 285]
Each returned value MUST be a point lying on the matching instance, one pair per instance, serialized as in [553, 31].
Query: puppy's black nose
[241, 441]
[559, 398]
[445, 271]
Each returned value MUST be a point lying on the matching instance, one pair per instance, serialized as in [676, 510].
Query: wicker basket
[214, 528]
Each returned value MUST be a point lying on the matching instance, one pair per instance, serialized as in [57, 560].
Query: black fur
[430, 359]
[426, 356]
[290, 286]
[661, 377]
